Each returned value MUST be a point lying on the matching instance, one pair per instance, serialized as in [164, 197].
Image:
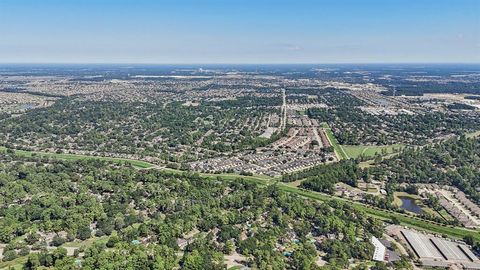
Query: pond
[28, 106]
[410, 205]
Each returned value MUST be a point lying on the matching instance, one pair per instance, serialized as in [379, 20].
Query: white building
[380, 250]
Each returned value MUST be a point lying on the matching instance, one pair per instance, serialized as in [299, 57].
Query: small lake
[410, 205]
[28, 106]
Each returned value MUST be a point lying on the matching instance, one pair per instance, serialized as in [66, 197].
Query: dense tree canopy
[144, 213]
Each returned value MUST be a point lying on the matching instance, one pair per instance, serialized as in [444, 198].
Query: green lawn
[17, 264]
[88, 242]
[336, 146]
[445, 215]
[354, 151]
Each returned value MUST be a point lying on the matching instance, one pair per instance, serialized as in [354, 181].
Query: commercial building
[436, 252]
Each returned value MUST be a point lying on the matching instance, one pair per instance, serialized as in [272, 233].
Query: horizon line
[233, 63]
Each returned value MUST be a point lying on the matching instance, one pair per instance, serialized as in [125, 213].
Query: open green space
[445, 215]
[336, 146]
[16, 264]
[86, 243]
[354, 151]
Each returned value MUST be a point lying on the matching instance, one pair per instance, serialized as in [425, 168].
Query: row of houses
[453, 210]
[468, 203]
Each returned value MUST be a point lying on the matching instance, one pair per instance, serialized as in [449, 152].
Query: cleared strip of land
[354, 151]
[133, 162]
[336, 146]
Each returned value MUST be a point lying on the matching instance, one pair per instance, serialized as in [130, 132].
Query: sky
[239, 31]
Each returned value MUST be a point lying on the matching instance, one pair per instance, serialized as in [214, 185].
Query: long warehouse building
[436, 252]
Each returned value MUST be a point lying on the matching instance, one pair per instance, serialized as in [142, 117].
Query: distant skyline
[240, 32]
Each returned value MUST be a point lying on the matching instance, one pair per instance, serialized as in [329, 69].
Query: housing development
[240, 167]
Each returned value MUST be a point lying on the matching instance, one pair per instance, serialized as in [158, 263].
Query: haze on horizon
[249, 31]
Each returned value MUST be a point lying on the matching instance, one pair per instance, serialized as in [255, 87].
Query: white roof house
[380, 250]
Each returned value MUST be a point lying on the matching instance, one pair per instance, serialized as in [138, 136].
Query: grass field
[88, 242]
[354, 151]
[336, 146]
[445, 215]
[296, 183]
[16, 264]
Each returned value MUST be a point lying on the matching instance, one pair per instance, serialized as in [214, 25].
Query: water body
[28, 106]
[410, 205]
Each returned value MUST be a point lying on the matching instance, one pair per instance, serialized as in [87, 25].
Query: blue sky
[239, 31]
